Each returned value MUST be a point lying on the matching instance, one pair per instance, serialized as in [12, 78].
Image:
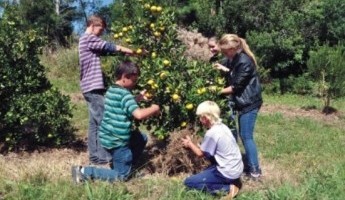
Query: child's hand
[221, 67]
[141, 96]
[186, 141]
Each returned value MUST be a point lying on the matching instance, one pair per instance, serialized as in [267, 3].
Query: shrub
[31, 112]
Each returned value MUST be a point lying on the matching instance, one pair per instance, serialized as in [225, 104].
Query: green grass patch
[63, 69]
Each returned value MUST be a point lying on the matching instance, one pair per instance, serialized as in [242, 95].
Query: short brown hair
[126, 68]
[96, 19]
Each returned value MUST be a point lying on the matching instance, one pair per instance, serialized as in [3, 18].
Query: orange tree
[169, 78]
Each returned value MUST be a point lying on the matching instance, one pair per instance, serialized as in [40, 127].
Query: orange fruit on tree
[139, 51]
[152, 25]
[153, 55]
[153, 8]
[166, 62]
[157, 33]
[203, 90]
[147, 6]
[148, 95]
[189, 106]
[150, 82]
[159, 9]
[163, 75]
[175, 97]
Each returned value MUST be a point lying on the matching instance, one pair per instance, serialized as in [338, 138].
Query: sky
[78, 27]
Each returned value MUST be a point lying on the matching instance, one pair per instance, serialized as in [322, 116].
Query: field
[301, 152]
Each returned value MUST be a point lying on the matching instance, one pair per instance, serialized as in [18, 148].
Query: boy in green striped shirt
[116, 133]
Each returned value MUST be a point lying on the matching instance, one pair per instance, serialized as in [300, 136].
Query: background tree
[177, 84]
[32, 112]
[326, 65]
[53, 18]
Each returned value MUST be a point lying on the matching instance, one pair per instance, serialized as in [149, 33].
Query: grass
[302, 157]
[300, 101]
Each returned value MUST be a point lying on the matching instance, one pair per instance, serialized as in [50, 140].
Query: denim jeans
[95, 103]
[123, 158]
[246, 128]
[209, 180]
[232, 120]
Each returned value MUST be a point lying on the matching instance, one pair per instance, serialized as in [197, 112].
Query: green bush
[300, 85]
[32, 112]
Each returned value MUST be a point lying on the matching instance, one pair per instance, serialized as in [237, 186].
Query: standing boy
[91, 47]
[116, 131]
[219, 146]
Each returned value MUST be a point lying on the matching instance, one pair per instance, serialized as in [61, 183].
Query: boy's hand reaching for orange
[141, 96]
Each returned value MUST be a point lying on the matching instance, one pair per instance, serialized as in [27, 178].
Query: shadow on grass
[29, 143]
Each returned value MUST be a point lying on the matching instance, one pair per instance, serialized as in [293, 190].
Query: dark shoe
[77, 176]
[255, 176]
[251, 176]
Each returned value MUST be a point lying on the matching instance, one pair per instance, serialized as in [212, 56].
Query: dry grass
[197, 47]
[54, 164]
[173, 163]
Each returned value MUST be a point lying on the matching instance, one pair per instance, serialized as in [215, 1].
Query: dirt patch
[196, 45]
[312, 113]
[76, 97]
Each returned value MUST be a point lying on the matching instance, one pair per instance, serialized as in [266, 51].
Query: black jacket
[245, 82]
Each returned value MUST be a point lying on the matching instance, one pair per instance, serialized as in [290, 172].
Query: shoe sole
[75, 176]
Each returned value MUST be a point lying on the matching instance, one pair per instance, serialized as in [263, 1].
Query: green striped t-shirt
[115, 128]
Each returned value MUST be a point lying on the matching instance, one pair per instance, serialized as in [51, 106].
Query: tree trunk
[57, 7]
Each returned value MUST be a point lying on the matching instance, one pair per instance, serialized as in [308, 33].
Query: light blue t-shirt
[221, 144]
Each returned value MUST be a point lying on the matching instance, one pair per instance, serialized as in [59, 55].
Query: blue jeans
[246, 128]
[209, 180]
[123, 158]
[95, 103]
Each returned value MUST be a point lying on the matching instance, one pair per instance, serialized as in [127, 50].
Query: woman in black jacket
[245, 89]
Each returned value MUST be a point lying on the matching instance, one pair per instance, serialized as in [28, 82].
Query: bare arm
[187, 142]
[124, 50]
[143, 113]
[227, 90]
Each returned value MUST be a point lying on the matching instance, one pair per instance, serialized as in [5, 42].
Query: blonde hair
[232, 41]
[210, 110]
